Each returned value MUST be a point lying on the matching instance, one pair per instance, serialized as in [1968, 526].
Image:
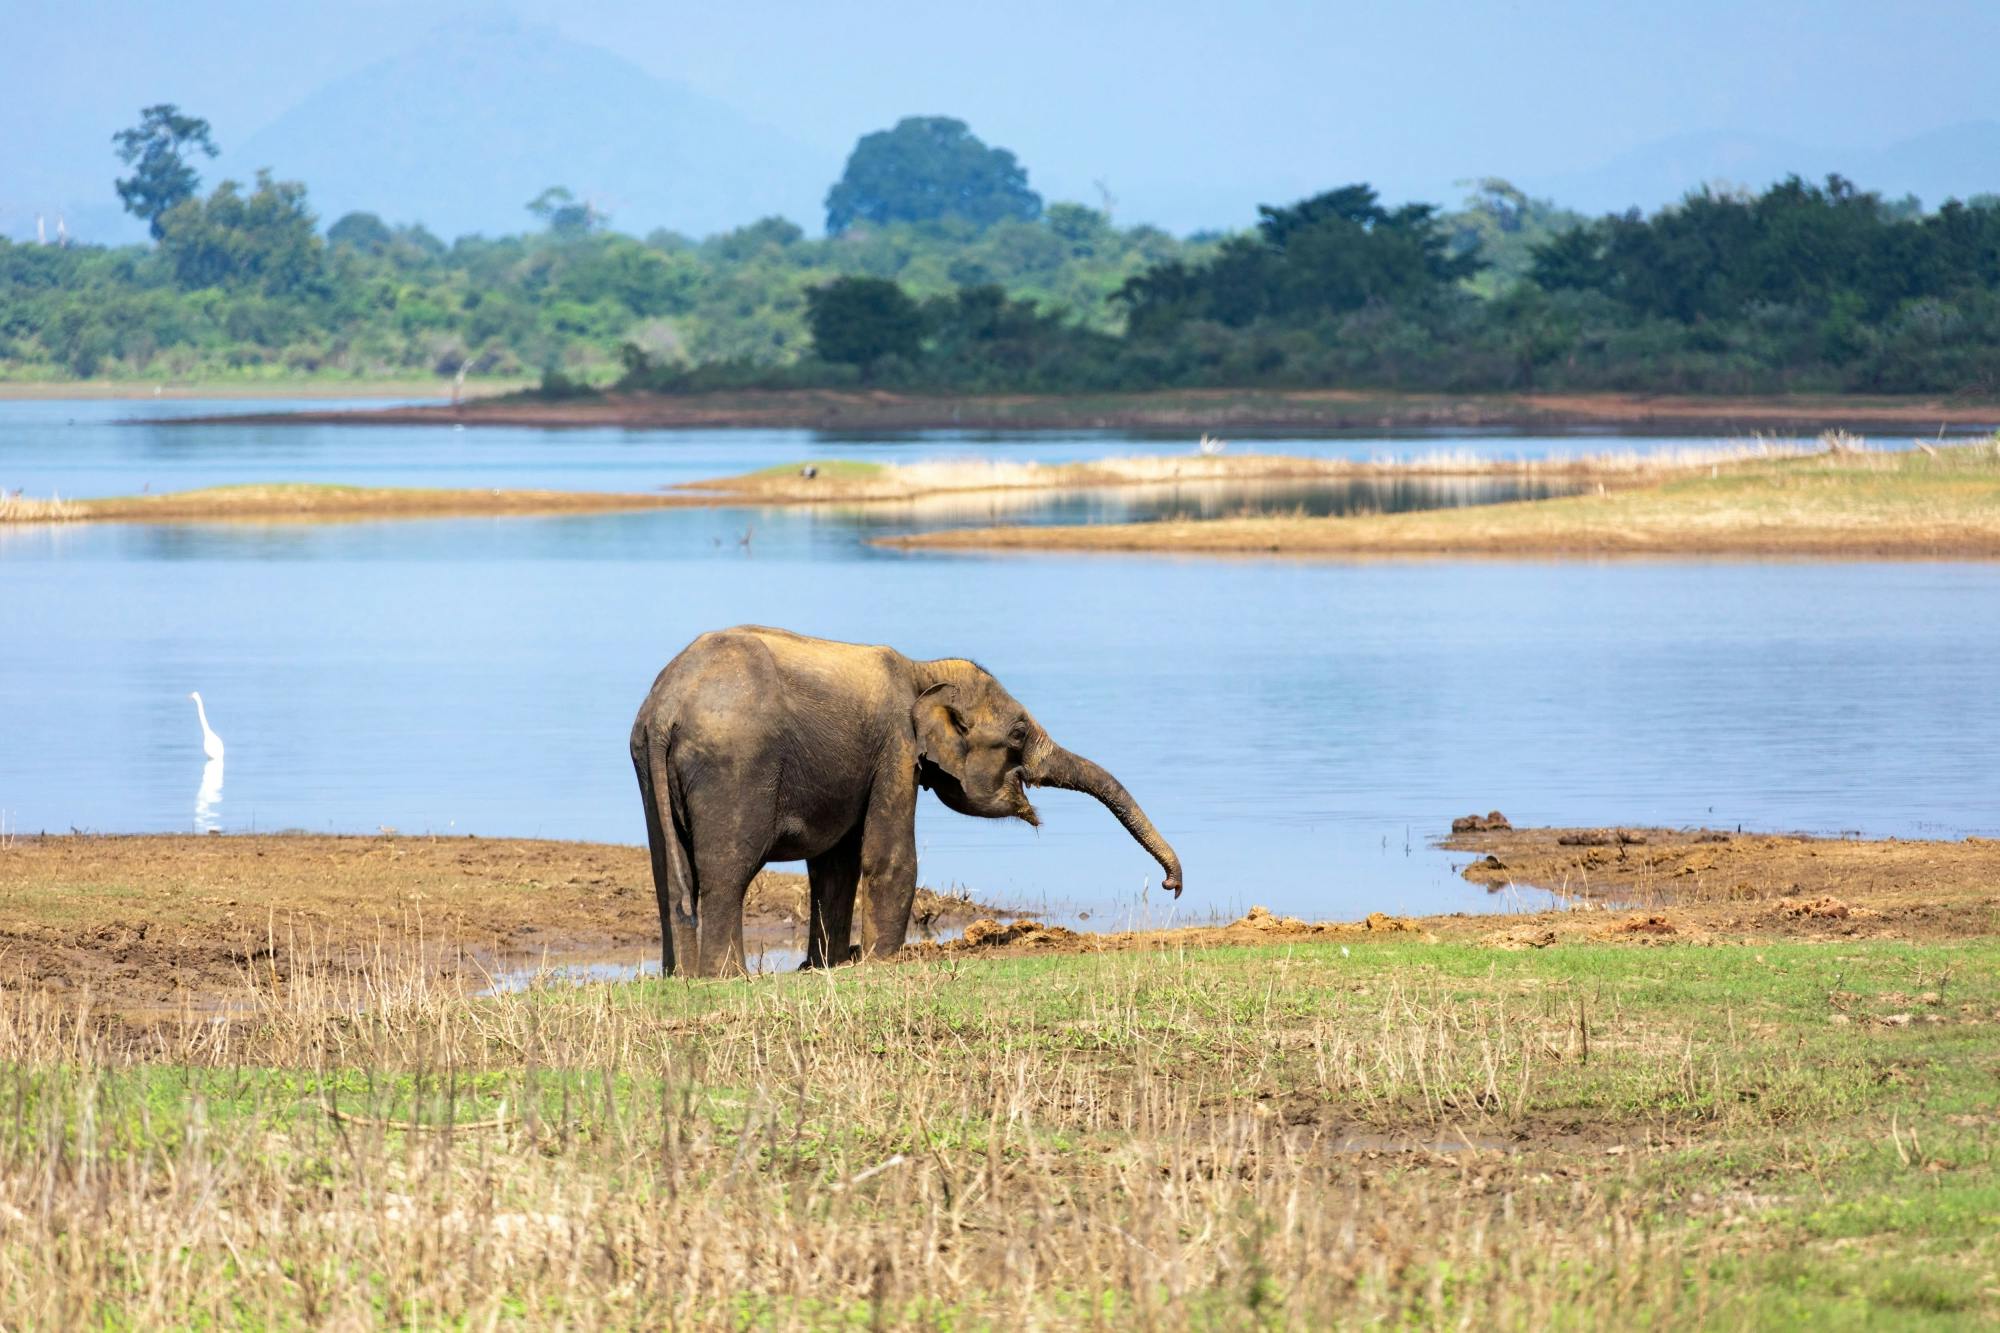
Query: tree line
[941, 270]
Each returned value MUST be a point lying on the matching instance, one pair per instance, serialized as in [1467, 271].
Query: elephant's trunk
[1056, 767]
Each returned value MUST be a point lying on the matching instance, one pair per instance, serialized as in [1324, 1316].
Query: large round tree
[929, 167]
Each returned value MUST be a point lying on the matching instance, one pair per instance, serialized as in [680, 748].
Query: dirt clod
[1491, 822]
[987, 933]
[1752, 883]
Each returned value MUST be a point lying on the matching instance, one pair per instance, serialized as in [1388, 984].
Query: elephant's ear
[940, 730]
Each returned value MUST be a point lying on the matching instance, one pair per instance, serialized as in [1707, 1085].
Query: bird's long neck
[200, 712]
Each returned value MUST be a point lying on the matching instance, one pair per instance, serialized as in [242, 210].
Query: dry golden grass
[1311, 1136]
[15, 508]
[311, 501]
[1935, 502]
[840, 481]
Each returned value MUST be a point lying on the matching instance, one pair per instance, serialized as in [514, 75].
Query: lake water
[1300, 730]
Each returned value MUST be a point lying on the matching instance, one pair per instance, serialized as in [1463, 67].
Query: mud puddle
[615, 965]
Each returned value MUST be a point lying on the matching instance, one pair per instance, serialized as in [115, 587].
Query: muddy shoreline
[150, 923]
[1173, 412]
[157, 925]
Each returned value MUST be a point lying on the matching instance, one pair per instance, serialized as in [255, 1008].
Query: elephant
[757, 745]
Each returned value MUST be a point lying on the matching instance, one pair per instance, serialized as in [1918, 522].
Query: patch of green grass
[839, 469]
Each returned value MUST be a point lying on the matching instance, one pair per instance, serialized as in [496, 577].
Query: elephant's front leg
[888, 866]
[834, 875]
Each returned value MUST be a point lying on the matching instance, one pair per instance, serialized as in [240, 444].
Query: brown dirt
[1702, 882]
[1258, 926]
[144, 923]
[1462, 533]
[1184, 410]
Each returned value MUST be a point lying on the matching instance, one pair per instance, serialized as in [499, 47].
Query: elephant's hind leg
[724, 875]
[673, 873]
[835, 874]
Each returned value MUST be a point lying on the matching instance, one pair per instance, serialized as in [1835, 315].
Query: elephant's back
[751, 677]
[720, 668]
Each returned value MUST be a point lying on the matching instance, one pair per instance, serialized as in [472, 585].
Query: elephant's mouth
[1017, 792]
[1010, 801]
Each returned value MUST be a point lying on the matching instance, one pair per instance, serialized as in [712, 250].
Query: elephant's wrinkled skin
[760, 745]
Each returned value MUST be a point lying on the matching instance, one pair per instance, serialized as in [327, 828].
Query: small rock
[1491, 822]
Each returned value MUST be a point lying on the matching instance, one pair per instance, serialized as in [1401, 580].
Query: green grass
[1692, 1136]
[843, 469]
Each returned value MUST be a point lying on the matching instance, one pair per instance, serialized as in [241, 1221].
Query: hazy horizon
[1189, 115]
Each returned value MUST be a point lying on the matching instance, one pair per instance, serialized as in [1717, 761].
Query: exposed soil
[1184, 411]
[1258, 926]
[1701, 882]
[150, 923]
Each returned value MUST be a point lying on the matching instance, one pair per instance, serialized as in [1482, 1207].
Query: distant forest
[942, 271]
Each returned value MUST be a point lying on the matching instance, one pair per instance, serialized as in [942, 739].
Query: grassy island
[1842, 503]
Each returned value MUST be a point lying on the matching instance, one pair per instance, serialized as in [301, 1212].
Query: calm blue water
[1299, 730]
[96, 448]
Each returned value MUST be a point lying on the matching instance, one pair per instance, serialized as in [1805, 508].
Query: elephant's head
[980, 751]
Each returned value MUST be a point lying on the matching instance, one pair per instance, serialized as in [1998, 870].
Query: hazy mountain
[460, 132]
[1953, 162]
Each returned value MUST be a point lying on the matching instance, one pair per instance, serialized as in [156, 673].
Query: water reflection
[208, 799]
[90, 449]
[1155, 501]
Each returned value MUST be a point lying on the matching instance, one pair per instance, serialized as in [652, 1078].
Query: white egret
[211, 744]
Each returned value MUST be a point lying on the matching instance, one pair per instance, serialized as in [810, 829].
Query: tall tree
[564, 214]
[929, 167]
[157, 150]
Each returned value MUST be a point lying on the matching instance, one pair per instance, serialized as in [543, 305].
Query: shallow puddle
[620, 965]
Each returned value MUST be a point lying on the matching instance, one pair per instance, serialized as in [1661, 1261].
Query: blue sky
[1164, 100]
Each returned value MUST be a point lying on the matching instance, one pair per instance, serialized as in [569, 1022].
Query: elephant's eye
[1018, 737]
[957, 720]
